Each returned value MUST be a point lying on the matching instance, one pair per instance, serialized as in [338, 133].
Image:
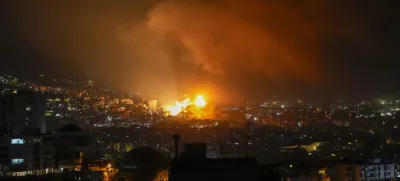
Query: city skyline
[202, 90]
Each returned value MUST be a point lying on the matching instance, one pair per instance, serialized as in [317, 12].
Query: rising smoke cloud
[225, 49]
[227, 44]
[222, 35]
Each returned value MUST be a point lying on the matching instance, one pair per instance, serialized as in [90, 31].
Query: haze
[229, 50]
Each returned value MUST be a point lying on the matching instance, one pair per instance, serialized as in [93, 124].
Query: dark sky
[232, 49]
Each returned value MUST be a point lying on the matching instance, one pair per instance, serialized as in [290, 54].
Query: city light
[162, 90]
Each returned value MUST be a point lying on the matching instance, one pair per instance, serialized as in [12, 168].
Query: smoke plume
[225, 45]
[227, 50]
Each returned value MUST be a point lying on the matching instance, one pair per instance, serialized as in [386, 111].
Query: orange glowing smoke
[174, 110]
[224, 37]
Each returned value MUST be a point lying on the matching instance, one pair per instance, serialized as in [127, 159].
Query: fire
[186, 102]
[200, 101]
[174, 110]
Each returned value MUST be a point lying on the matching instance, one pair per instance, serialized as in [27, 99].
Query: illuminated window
[17, 161]
[17, 141]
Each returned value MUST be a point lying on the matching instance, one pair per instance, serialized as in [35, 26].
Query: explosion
[187, 105]
[200, 102]
[175, 109]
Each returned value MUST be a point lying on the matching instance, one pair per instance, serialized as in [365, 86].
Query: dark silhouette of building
[22, 109]
[176, 138]
[72, 146]
[195, 166]
[232, 169]
[195, 151]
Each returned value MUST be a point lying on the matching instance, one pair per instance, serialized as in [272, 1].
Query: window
[17, 161]
[17, 141]
[386, 167]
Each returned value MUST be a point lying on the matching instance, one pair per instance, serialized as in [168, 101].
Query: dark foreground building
[194, 166]
[232, 169]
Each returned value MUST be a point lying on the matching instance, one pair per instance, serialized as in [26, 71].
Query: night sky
[317, 50]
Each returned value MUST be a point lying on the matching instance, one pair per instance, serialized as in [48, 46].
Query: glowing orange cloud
[235, 35]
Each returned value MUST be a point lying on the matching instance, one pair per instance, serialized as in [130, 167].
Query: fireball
[200, 102]
[186, 102]
[174, 110]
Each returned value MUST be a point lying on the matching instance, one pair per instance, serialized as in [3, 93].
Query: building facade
[378, 169]
[23, 155]
[345, 172]
[74, 148]
[367, 170]
[25, 147]
[22, 109]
